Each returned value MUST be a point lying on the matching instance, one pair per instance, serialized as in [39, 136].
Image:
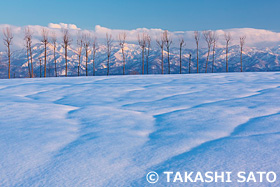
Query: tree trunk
[27, 56]
[241, 59]
[93, 66]
[31, 60]
[93, 62]
[214, 46]
[180, 60]
[190, 60]
[45, 69]
[79, 65]
[147, 60]
[227, 58]
[162, 72]
[40, 68]
[54, 62]
[86, 62]
[9, 56]
[143, 61]
[168, 60]
[197, 68]
[65, 61]
[108, 65]
[207, 60]
[123, 61]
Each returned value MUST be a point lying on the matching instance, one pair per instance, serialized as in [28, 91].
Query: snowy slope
[111, 131]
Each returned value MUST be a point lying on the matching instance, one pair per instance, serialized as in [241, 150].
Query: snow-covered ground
[112, 131]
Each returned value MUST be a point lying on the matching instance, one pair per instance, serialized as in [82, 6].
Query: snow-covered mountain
[254, 59]
[256, 56]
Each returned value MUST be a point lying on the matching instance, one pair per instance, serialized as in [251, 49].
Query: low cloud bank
[254, 37]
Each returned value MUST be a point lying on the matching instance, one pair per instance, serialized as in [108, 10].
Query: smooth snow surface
[112, 131]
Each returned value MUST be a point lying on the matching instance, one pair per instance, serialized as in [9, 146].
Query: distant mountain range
[254, 59]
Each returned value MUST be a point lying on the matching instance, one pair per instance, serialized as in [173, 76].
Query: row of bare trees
[211, 39]
[88, 43]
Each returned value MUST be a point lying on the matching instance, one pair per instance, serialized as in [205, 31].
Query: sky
[173, 15]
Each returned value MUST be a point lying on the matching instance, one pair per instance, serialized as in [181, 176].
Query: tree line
[86, 42]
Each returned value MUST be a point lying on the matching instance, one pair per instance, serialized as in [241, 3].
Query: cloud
[63, 26]
[254, 37]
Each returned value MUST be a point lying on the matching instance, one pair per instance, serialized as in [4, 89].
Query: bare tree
[168, 42]
[86, 42]
[30, 53]
[227, 38]
[242, 43]
[142, 44]
[79, 50]
[54, 40]
[160, 43]
[148, 48]
[122, 39]
[27, 38]
[94, 49]
[109, 41]
[190, 61]
[27, 57]
[215, 39]
[208, 36]
[8, 37]
[65, 45]
[45, 41]
[182, 44]
[197, 37]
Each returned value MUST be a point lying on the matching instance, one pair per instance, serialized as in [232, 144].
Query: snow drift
[104, 131]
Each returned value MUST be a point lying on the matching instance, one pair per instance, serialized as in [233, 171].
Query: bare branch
[228, 37]
[53, 38]
[242, 41]
[196, 36]
[182, 42]
[122, 39]
[45, 36]
[66, 38]
[8, 37]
